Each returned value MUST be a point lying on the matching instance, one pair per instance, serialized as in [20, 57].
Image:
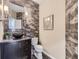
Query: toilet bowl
[38, 48]
[38, 51]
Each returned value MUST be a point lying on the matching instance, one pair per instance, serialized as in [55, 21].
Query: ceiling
[38, 1]
[17, 5]
[19, 2]
[16, 8]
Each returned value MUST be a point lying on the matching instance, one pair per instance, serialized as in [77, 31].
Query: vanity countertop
[11, 40]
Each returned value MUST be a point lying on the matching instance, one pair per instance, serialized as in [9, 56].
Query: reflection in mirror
[14, 14]
[21, 16]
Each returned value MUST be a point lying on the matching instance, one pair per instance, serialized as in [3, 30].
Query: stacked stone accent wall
[71, 29]
[32, 21]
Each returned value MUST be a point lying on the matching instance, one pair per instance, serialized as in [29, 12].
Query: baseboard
[48, 55]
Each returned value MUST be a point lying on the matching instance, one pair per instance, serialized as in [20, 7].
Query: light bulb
[26, 13]
[25, 9]
[47, 19]
[6, 8]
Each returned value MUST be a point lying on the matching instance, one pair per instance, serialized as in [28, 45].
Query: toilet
[38, 49]
[34, 41]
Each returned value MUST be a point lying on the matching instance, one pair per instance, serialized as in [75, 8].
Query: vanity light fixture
[6, 11]
[26, 13]
[6, 8]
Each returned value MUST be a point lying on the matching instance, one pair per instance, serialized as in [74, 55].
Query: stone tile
[71, 29]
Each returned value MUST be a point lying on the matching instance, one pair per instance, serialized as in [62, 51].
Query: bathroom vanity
[22, 17]
[15, 49]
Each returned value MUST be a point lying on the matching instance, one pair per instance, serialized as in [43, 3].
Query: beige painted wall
[1, 30]
[53, 41]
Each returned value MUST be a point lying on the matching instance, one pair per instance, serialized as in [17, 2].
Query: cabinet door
[0, 51]
[10, 51]
[17, 50]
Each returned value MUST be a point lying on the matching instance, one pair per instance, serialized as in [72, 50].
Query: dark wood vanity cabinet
[16, 50]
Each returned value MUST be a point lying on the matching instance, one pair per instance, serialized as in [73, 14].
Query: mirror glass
[14, 14]
[21, 16]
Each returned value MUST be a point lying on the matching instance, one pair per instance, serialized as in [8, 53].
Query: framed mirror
[14, 15]
[24, 14]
